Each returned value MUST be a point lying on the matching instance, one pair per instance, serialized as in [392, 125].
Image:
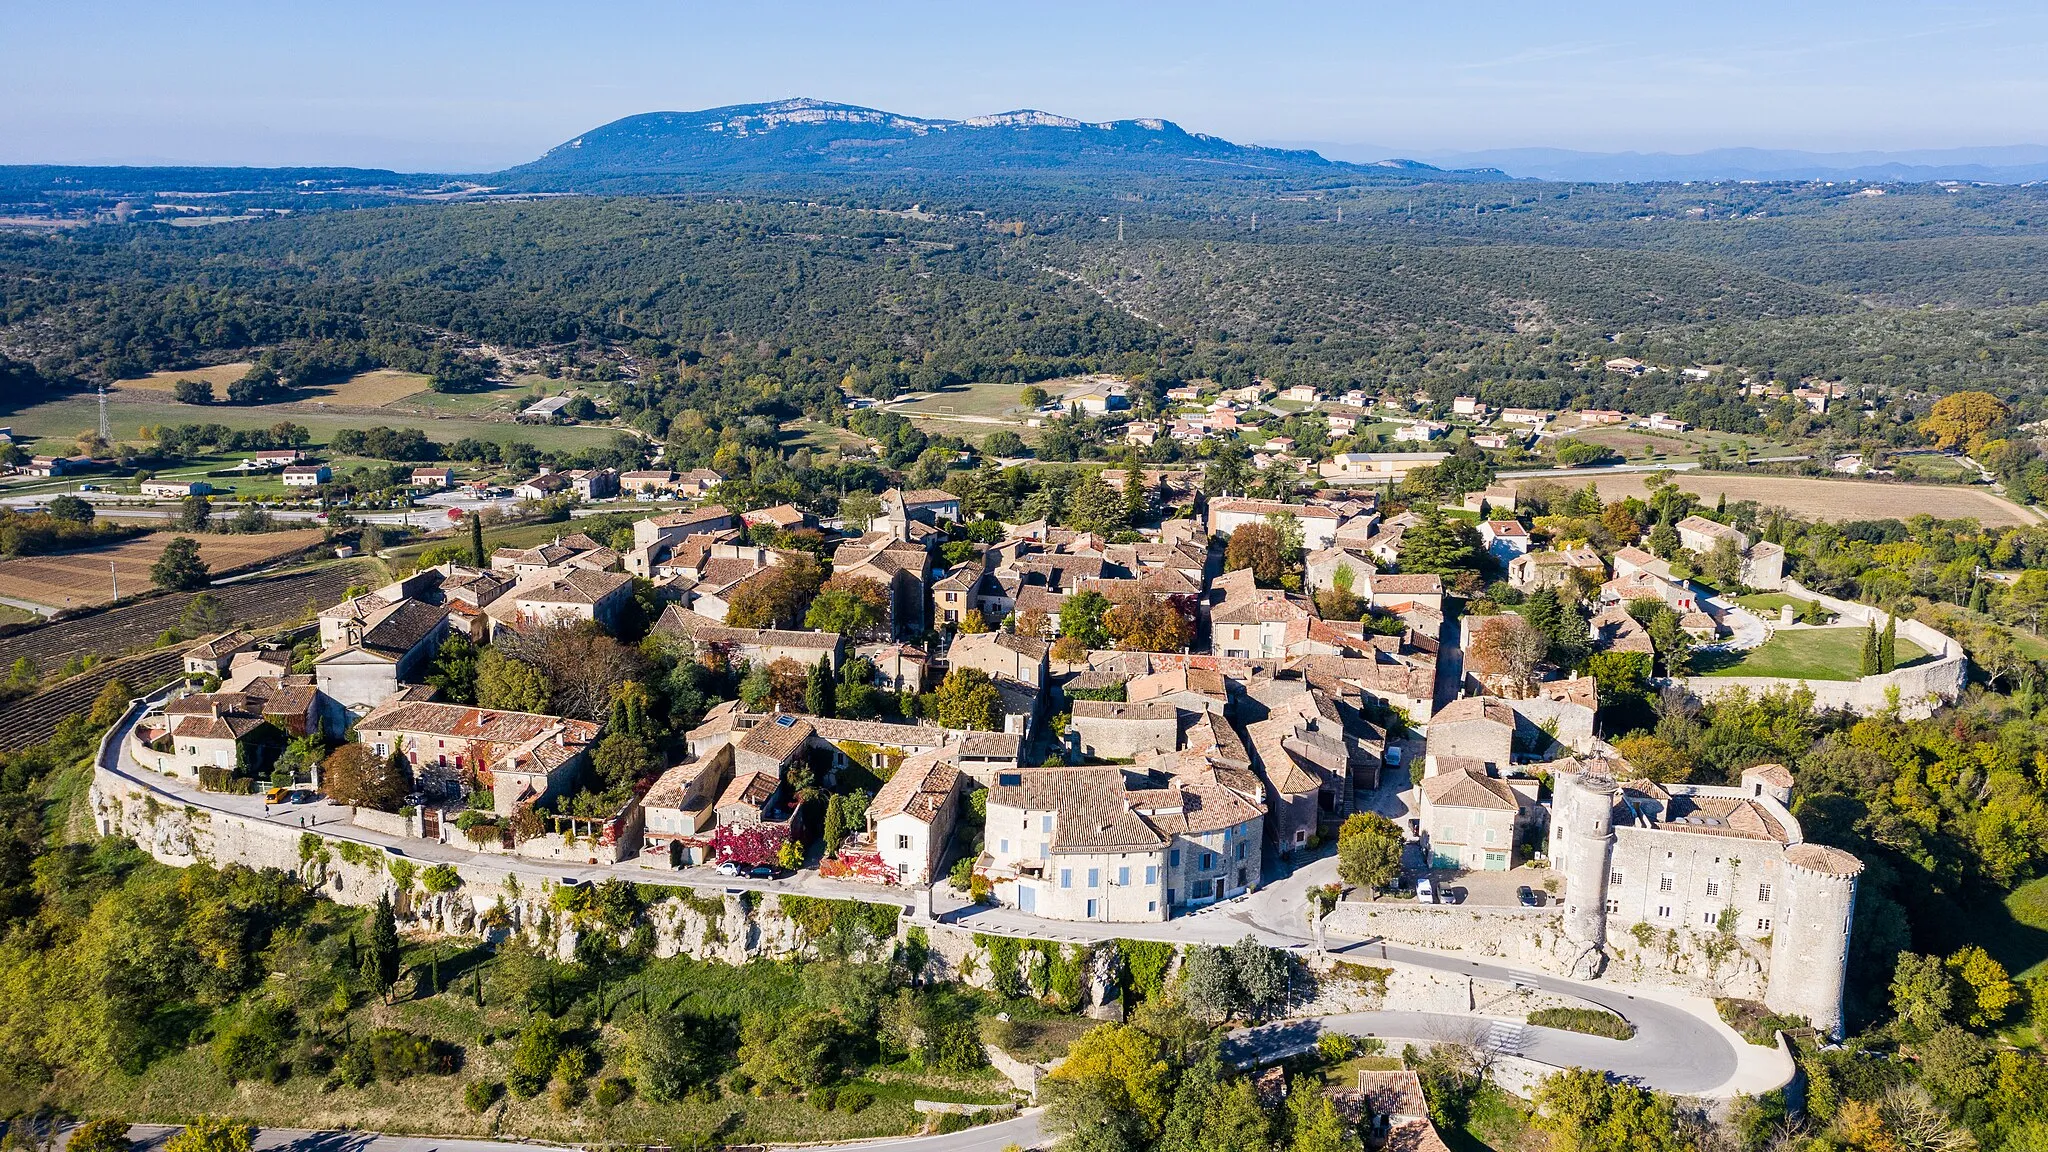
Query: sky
[461, 86]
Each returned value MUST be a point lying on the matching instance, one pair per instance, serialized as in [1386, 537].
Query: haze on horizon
[470, 86]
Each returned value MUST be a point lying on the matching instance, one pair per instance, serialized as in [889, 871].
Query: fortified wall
[1920, 688]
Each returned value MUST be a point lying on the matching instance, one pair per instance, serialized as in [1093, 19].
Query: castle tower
[1810, 939]
[1768, 780]
[1582, 839]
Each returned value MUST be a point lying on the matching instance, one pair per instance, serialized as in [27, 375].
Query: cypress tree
[1888, 647]
[382, 961]
[835, 825]
[820, 693]
[476, 542]
[1870, 649]
[1977, 596]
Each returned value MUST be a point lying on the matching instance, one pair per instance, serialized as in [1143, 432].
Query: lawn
[1770, 601]
[966, 400]
[1802, 654]
[2019, 938]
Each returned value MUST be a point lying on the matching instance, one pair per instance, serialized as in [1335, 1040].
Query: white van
[1425, 891]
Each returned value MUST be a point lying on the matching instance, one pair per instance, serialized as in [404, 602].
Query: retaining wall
[1710, 963]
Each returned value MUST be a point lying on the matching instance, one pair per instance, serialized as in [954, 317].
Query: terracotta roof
[1466, 788]
[1776, 775]
[1405, 584]
[921, 788]
[1488, 708]
[1269, 508]
[471, 723]
[219, 646]
[752, 789]
[779, 737]
[1822, 859]
[1111, 710]
[578, 586]
[878, 732]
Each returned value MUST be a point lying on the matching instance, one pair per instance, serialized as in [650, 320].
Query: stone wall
[1708, 963]
[1920, 688]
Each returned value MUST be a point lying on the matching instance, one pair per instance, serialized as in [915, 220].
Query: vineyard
[256, 603]
[82, 579]
[31, 719]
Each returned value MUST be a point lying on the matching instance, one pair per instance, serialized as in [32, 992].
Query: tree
[1962, 418]
[857, 510]
[668, 1054]
[1208, 984]
[111, 704]
[193, 513]
[534, 1056]
[179, 568]
[974, 622]
[1506, 650]
[1989, 993]
[71, 508]
[1888, 644]
[1093, 1114]
[1922, 994]
[505, 682]
[382, 957]
[852, 606]
[1137, 494]
[1081, 618]
[1317, 1125]
[799, 1051]
[1871, 656]
[820, 691]
[1142, 623]
[1583, 1111]
[778, 596]
[212, 1134]
[788, 682]
[1263, 976]
[583, 664]
[1032, 397]
[968, 700]
[354, 775]
[1257, 547]
[1093, 506]
[1069, 650]
[621, 759]
[1369, 851]
[1441, 544]
[454, 670]
[1129, 1057]
[835, 824]
[477, 557]
[204, 615]
[192, 392]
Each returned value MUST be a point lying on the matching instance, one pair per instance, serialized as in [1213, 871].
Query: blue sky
[458, 85]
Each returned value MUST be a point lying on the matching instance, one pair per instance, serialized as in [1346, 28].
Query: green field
[65, 419]
[502, 400]
[966, 400]
[1802, 654]
[1770, 601]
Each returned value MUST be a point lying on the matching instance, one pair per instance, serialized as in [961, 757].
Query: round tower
[1586, 833]
[1768, 780]
[1810, 937]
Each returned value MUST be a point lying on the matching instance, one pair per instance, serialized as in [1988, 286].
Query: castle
[1709, 859]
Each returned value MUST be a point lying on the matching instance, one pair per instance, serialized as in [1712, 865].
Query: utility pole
[1255, 221]
[106, 430]
[115, 576]
[1119, 228]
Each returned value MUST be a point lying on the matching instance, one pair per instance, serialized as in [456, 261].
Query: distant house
[542, 486]
[1377, 465]
[1600, 416]
[1098, 403]
[1627, 366]
[277, 457]
[1665, 422]
[176, 488]
[1302, 393]
[307, 475]
[548, 409]
[1505, 539]
[1534, 417]
[646, 484]
[1467, 406]
[782, 516]
[435, 478]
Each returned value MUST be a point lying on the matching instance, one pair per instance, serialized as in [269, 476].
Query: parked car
[1425, 891]
[1528, 897]
[764, 872]
[728, 869]
[1393, 756]
[1451, 896]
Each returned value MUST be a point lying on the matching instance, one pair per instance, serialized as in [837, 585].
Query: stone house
[1020, 658]
[1470, 818]
[1480, 729]
[910, 819]
[1106, 730]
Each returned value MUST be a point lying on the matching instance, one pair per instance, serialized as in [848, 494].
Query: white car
[1425, 891]
[728, 869]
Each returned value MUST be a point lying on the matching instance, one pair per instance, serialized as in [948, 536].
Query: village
[1132, 731]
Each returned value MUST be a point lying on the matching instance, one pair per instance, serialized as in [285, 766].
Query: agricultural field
[367, 390]
[502, 401]
[971, 403]
[1814, 498]
[1801, 654]
[82, 579]
[129, 413]
[1639, 443]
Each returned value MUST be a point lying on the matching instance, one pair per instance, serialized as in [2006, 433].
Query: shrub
[610, 1094]
[1590, 1021]
[479, 1095]
[855, 1099]
[533, 1060]
[441, 878]
[565, 1095]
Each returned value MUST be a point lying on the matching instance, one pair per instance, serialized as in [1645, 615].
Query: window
[1173, 859]
[902, 842]
[1066, 877]
[1151, 873]
[1044, 850]
[1123, 877]
[1613, 907]
[1614, 877]
[1172, 897]
[1489, 835]
[1708, 918]
[1091, 909]
[1003, 846]
[1663, 911]
[1045, 823]
[1664, 882]
[1240, 849]
[1208, 861]
[1713, 887]
[1763, 925]
[1151, 905]
[1095, 877]
[1763, 893]
[381, 748]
